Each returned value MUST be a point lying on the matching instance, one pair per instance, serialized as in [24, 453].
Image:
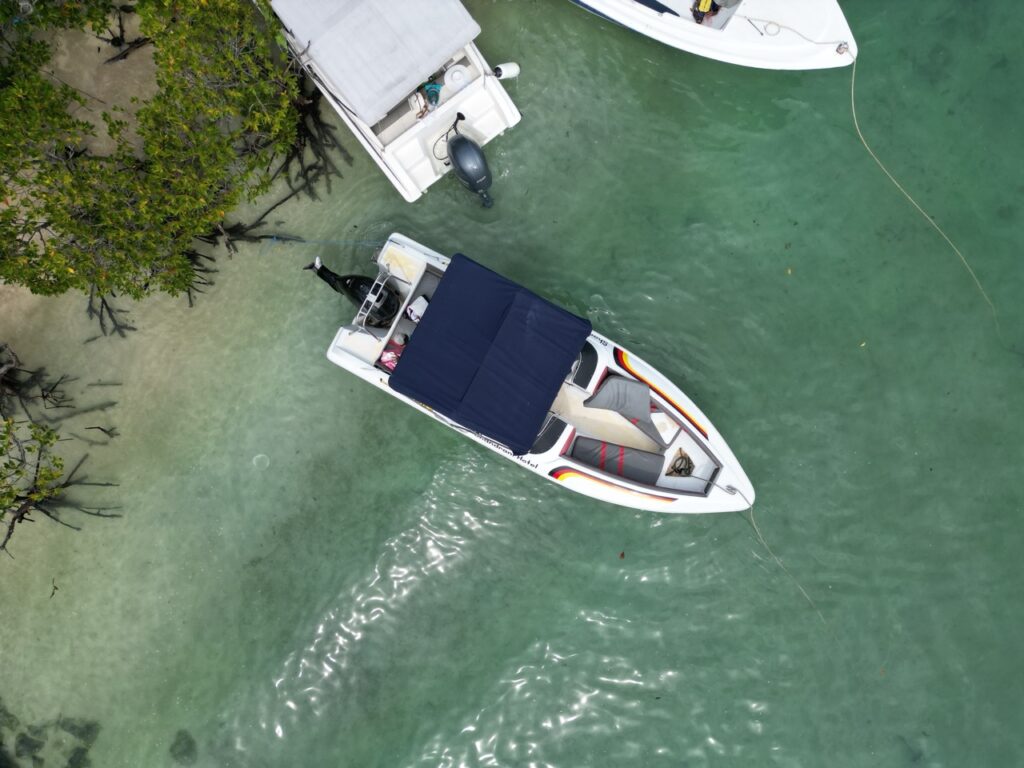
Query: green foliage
[32, 476]
[29, 473]
[46, 14]
[125, 223]
[37, 131]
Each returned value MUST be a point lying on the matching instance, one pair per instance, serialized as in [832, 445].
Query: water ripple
[454, 515]
[553, 699]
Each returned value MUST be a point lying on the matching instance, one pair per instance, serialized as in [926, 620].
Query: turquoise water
[306, 576]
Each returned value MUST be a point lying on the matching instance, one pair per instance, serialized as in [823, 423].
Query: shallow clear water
[305, 575]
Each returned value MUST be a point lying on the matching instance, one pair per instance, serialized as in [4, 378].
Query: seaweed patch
[63, 742]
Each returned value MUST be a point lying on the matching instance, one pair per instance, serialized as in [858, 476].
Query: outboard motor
[357, 288]
[469, 163]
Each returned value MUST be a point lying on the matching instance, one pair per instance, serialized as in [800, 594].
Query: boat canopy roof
[489, 354]
[376, 52]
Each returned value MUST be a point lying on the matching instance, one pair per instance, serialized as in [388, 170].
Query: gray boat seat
[630, 463]
[629, 398]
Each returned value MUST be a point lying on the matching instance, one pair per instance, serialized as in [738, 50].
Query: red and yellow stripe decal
[623, 360]
[568, 473]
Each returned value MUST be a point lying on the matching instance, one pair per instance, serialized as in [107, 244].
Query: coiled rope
[771, 28]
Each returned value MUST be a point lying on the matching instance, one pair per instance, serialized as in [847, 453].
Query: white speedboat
[768, 34]
[400, 73]
[536, 384]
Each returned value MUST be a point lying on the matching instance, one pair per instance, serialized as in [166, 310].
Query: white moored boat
[536, 384]
[768, 34]
[372, 60]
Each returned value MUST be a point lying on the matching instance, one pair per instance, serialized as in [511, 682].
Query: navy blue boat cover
[489, 354]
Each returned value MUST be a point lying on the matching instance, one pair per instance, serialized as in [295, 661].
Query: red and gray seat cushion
[629, 463]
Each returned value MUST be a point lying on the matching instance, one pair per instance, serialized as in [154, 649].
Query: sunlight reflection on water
[312, 679]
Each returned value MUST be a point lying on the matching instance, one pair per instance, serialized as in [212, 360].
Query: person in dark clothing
[704, 8]
[430, 95]
[357, 288]
[333, 279]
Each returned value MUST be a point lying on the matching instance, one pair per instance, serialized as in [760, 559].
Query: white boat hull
[766, 34]
[415, 159]
[406, 140]
[719, 484]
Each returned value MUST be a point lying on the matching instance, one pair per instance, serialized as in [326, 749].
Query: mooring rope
[771, 28]
[303, 241]
[929, 219]
[730, 489]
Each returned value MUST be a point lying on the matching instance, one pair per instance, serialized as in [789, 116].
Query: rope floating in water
[303, 241]
[913, 202]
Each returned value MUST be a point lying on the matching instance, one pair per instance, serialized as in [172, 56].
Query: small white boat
[767, 34]
[536, 384]
[372, 60]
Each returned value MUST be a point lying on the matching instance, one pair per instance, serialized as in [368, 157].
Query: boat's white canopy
[375, 52]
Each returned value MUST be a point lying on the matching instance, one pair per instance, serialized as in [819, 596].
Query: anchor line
[730, 489]
[302, 241]
[842, 47]
[913, 202]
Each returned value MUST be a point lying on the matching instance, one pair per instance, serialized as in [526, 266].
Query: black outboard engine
[469, 164]
[384, 309]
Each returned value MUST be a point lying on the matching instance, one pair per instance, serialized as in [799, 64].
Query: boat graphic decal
[622, 358]
[569, 473]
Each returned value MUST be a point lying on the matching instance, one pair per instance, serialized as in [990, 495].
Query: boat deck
[682, 9]
[615, 429]
[410, 277]
[599, 423]
[407, 113]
